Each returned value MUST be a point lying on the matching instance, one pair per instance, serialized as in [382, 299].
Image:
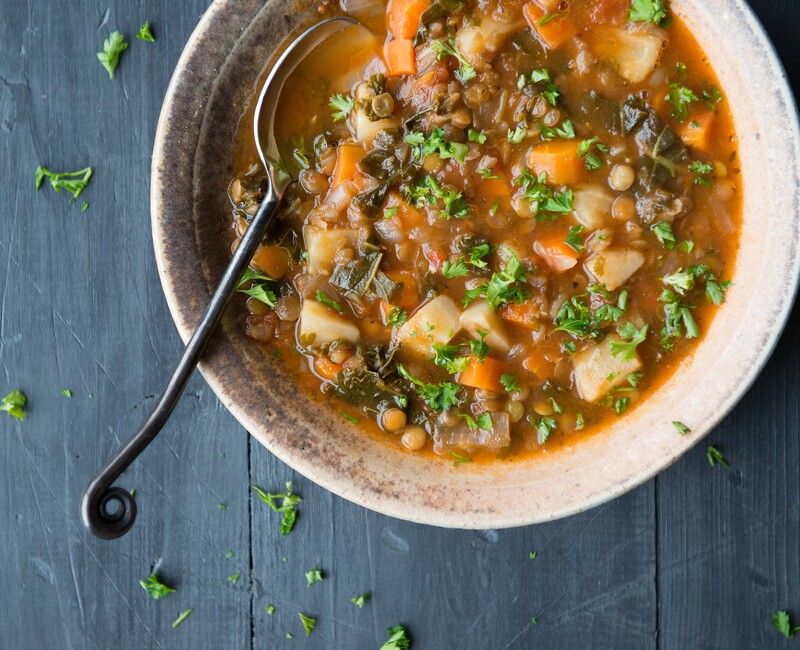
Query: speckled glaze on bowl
[190, 216]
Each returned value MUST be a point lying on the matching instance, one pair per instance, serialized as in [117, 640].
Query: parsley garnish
[288, 505]
[257, 288]
[422, 146]
[550, 16]
[145, 33]
[182, 616]
[477, 255]
[620, 405]
[680, 427]
[633, 337]
[446, 356]
[712, 97]
[479, 348]
[518, 134]
[429, 191]
[72, 182]
[309, 623]
[543, 80]
[155, 588]
[649, 11]
[510, 383]
[503, 287]
[113, 47]
[66, 392]
[342, 105]
[389, 213]
[483, 421]
[715, 457]
[313, 576]
[233, 578]
[590, 159]
[544, 427]
[398, 639]
[440, 397]
[680, 97]
[446, 47]
[459, 459]
[269, 609]
[473, 135]
[663, 232]
[349, 417]
[783, 623]
[531, 555]
[455, 269]
[396, 317]
[580, 422]
[678, 319]
[326, 300]
[360, 601]
[14, 404]
[574, 240]
[564, 130]
[545, 203]
[702, 173]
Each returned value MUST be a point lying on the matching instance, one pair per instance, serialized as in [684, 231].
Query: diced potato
[322, 245]
[597, 371]
[479, 316]
[634, 54]
[320, 325]
[366, 129]
[437, 321]
[613, 267]
[479, 42]
[592, 206]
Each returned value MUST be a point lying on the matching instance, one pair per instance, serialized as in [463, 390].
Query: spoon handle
[109, 512]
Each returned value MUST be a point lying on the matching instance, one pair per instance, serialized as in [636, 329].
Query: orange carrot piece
[559, 159]
[400, 57]
[326, 368]
[696, 131]
[554, 28]
[347, 155]
[496, 190]
[408, 215]
[405, 17]
[483, 374]
[558, 255]
[536, 363]
[272, 260]
[525, 314]
[408, 296]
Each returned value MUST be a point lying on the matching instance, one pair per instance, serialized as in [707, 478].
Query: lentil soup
[508, 221]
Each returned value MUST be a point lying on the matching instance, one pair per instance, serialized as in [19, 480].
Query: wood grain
[698, 558]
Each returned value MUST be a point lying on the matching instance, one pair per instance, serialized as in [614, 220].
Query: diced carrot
[536, 363]
[347, 155]
[553, 28]
[496, 190]
[326, 368]
[408, 215]
[407, 297]
[272, 260]
[483, 374]
[696, 131]
[400, 57]
[559, 255]
[525, 314]
[405, 16]
[658, 100]
[559, 159]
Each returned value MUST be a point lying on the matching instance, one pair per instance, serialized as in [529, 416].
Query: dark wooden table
[700, 557]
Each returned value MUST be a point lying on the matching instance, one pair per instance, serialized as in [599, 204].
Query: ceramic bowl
[190, 219]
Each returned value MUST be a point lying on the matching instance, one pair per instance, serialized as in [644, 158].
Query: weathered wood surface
[697, 558]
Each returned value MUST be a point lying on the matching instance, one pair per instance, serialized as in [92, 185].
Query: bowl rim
[379, 502]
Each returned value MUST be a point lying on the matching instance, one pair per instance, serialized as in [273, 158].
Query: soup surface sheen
[509, 221]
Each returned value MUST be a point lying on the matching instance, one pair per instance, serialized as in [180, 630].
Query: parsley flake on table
[313, 576]
[155, 588]
[283, 502]
[398, 639]
[715, 457]
[14, 404]
[532, 555]
[269, 609]
[71, 182]
[680, 427]
[66, 392]
[145, 32]
[783, 623]
[647, 11]
[113, 47]
[342, 106]
[308, 622]
[233, 578]
[361, 600]
[181, 617]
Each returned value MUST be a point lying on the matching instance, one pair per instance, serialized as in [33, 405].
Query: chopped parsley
[398, 639]
[632, 338]
[283, 502]
[455, 269]
[342, 106]
[181, 617]
[349, 417]
[422, 146]
[620, 405]
[431, 192]
[542, 80]
[564, 130]
[711, 97]
[702, 172]
[71, 182]
[591, 160]
[782, 622]
[663, 232]
[14, 404]
[479, 347]
[389, 213]
[269, 609]
[459, 459]
[360, 601]
[531, 555]
[313, 576]
[574, 240]
[503, 287]
[446, 47]
[647, 11]
[680, 97]
[308, 622]
[680, 427]
[66, 392]
[113, 47]
[155, 588]
[233, 578]
[678, 319]
[473, 135]
[510, 383]
[544, 427]
[440, 397]
[482, 421]
[518, 134]
[396, 317]
[145, 33]
[326, 300]
[545, 203]
[257, 289]
[715, 457]
[580, 422]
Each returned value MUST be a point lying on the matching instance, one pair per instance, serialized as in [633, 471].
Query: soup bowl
[193, 164]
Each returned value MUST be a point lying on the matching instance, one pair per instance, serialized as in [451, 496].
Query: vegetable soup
[508, 223]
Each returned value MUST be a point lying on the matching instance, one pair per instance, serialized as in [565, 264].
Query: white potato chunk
[366, 129]
[480, 42]
[322, 245]
[592, 206]
[437, 321]
[634, 54]
[480, 317]
[597, 371]
[613, 267]
[320, 325]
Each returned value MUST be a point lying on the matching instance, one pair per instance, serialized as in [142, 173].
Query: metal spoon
[107, 511]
